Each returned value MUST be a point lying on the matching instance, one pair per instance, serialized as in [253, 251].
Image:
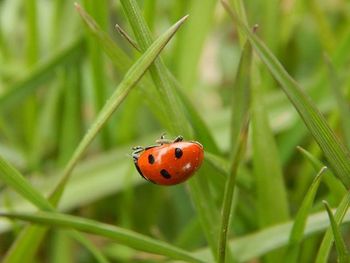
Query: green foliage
[76, 95]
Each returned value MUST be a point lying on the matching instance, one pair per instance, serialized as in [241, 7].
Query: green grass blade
[117, 234]
[14, 179]
[343, 253]
[30, 82]
[158, 71]
[297, 232]
[239, 134]
[336, 187]
[327, 242]
[335, 152]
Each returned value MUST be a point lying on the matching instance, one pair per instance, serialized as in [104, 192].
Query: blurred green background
[55, 77]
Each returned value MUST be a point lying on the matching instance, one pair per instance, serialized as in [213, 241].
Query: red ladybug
[168, 162]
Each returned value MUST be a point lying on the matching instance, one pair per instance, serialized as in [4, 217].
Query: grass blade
[326, 245]
[14, 179]
[158, 71]
[120, 235]
[335, 152]
[336, 187]
[239, 135]
[343, 253]
[297, 232]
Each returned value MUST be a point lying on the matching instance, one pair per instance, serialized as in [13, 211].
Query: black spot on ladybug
[165, 174]
[178, 153]
[150, 159]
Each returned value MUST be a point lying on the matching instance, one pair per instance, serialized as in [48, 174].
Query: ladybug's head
[136, 152]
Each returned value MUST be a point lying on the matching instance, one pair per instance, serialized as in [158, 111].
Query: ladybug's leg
[178, 139]
[162, 141]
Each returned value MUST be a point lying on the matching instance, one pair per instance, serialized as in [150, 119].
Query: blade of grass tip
[229, 190]
[239, 133]
[127, 37]
[335, 152]
[297, 232]
[130, 79]
[327, 242]
[344, 109]
[40, 73]
[343, 253]
[335, 186]
[123, 236]
[158, 70]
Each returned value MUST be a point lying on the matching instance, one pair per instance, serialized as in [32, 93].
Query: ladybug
[169, 162]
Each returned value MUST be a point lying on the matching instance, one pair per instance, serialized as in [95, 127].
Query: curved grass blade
[123, 236]
[239, 135]
[336, 154]
[327, 242]
[14, 179]
[336, 187]
[297, 232]
[343, 253]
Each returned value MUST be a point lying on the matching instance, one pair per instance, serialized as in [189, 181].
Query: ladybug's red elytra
[169, 162]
